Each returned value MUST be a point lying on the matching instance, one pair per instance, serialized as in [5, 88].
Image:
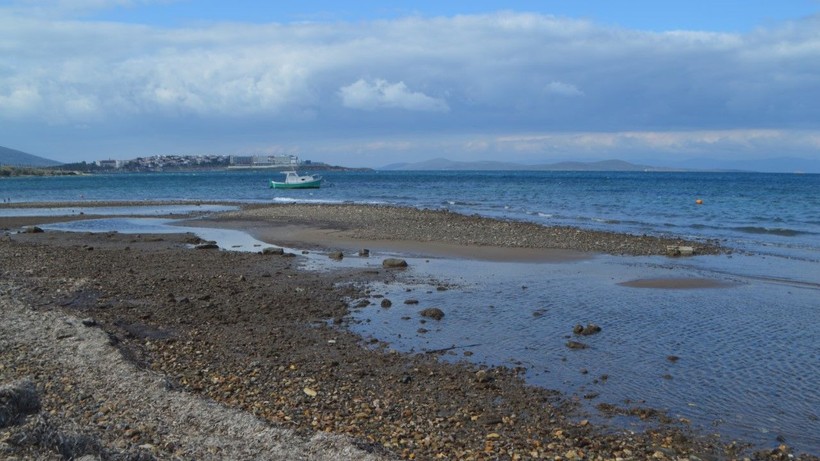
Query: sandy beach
[143, 347]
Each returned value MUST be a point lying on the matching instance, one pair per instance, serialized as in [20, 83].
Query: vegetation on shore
[12, 171]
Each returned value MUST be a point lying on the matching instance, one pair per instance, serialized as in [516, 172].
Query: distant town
[181, 162]
[17, 163]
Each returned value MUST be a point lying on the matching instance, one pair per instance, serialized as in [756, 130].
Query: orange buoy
[699, 202]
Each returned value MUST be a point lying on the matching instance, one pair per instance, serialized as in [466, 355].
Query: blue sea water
[749, 351]
[750, 210]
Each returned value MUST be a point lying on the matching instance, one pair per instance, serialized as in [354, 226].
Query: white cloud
[583, 87]
[18, 100]
[563, 89]
[379, 94]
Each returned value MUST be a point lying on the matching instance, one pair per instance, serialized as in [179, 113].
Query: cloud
[563, 89]
[379, 94]
[502, 76]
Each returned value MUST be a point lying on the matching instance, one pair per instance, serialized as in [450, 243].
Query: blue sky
[371, 83]
[731, 16]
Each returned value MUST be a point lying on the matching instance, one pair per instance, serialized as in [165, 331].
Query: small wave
[784, 232]
[459, 203]
[326, 201]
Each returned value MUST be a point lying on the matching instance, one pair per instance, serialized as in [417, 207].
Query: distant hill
[444, 164]
[11, 157]
[771, 165]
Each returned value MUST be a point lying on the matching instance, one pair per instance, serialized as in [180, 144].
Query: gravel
[370, 222]
[140, 347]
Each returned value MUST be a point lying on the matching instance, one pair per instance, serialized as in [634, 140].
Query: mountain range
[11, 157]
[773, 165]
[445, 164]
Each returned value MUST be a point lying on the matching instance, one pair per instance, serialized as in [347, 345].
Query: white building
[263, 161]
[108, 163]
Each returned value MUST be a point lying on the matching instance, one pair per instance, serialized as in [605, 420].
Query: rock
[411, 301]
[394, 263]
[678, 250]
[336, 255]
[207, 246]
[386, 302]
[672, 358]
[89, 322]
[273, 251]
[590, 329]
[481, 376]
[17, 399]
[310, 392]
[576, 345]
[433, 312]
[364, 253]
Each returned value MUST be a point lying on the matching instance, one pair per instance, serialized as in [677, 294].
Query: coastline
[256, 334]
[450, 233]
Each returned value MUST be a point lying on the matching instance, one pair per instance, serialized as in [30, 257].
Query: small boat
[295, 181]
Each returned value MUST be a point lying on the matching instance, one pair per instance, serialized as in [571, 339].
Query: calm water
[777, 212]
[749, 353]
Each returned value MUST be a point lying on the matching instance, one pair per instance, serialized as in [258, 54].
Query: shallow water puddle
[677, 283]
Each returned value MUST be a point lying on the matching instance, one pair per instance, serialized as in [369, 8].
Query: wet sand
[255, 334]
[324, 239]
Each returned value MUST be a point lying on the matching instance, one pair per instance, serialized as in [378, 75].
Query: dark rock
[576, 345]
[489, 419]
[17, 399]
[411, 301]
[394, 263]
[386, 302]
[433, 312]
[672, 358]
[590, 329]
[89, 322]
[273, 251]
[207, 246]
[336, 255]
[192, 240]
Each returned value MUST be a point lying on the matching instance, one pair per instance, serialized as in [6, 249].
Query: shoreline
[254, 333]
[453, 233]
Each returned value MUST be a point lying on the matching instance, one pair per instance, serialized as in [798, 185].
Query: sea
[738, 357]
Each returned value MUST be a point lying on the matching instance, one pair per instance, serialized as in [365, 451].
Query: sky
[369, 83]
